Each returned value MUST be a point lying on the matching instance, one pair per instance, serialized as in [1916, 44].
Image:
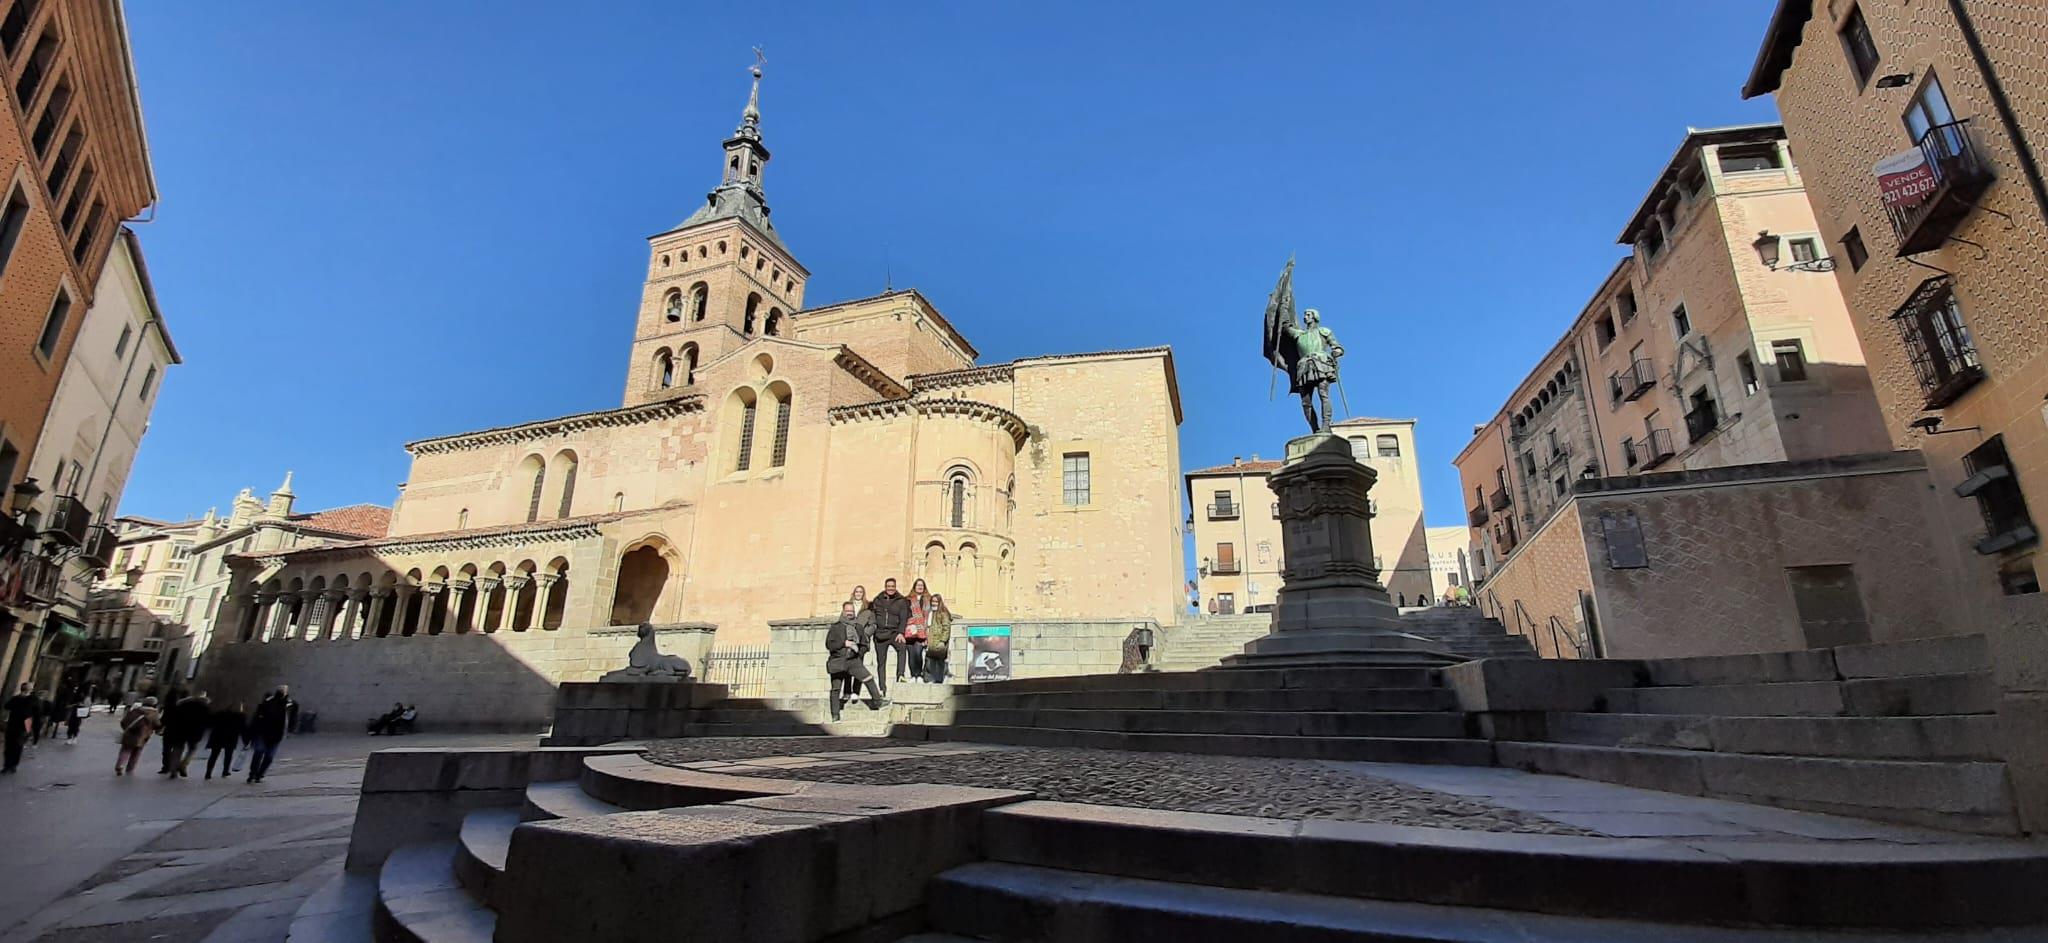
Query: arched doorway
[643, 576]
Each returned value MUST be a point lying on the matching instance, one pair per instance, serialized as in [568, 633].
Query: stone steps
[1938, 737]
[1252, 699]
[1298, 678]
[1960, 796]
[1021, 904]
[1958, 693]
[421, 900]
[1433, 750]
[485, 840]
[1734, 882]
[562, 800]
[342, 911]
[1241, 723]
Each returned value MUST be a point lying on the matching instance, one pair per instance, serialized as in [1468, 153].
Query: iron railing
[743, 669]
[1226, 567]
[1476, 515]
[68, 521]
[1223, 511]
[1656, 449]
[1959, 174]
[1937, 341]
[1702, 421]
[1501, 500]
[1629, 385]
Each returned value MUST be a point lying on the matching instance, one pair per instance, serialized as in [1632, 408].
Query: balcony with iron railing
[68, 521]
[99, 545]
[1654, 450]
[1938, 343]
[1701, 421]
[1938, 195]
[1629, 385]
[1501, 500]
[1476, 515]
[1224, 511]
[1225, 568]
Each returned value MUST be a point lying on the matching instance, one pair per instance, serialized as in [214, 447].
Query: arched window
[689, 365]
[779, 454]
[565, 462]
[462, 519]
[700, 298]
[672, 305]
[664, 369]
[540, 480]
[774, 326]
[753, 309]
[1389, 446]
[956, 494]
[740, 413]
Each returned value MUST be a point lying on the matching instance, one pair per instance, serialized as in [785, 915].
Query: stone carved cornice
[982, 412]
[563, 425]
[868, 373]
[972, 376]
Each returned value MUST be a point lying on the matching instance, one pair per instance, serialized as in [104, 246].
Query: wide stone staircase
[1388, 714]
[1900, 731]
[628, 850]
[1205, 641]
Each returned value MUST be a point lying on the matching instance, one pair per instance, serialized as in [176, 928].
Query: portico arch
[646, 572]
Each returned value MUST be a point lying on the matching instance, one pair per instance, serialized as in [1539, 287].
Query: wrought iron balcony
[1224, 512]
[1701, 422]
[1626, 386]
[99, 545]
[68, 521]
[1501, 500]
[1476, 515]
[1938, 342]
[1940, 193]
[1656, 449]
[1225, 568]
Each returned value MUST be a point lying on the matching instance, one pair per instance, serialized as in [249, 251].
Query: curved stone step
[485, 839]
[1250, 699]
[1020, 904]
[1922, 883]
[420, 900]
[1247, 723]
[343, 910]
[1296, 678]
[633, 783]
[1462, 752]
[562, 800]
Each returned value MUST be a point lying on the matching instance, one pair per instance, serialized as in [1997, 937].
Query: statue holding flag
[1308, 354]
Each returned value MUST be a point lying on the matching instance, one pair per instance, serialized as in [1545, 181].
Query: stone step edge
[1984, 676]
[1019, 902]
[484, 839]
[562, 799]
[413, 903]
[1732, 882]
[1452, 751]
[1823, 720]
[328, 915]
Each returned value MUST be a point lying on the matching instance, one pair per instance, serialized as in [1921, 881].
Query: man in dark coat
[22, 710]
[188, 721]
[266, 730]
[891, 610]
[843, 661]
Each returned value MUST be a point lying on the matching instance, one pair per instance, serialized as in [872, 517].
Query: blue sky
[383, 221]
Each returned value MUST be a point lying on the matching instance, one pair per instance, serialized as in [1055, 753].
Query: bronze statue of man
[1307, 354]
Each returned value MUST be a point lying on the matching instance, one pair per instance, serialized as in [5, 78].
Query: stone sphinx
[646, 662]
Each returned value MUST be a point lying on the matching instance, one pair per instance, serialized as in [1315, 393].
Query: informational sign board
[1624, 536]
[989, 647]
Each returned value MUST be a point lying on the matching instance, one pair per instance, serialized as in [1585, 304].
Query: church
[767, 457]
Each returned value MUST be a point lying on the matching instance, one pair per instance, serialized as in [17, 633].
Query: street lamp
[25, 493]
[1769, 252]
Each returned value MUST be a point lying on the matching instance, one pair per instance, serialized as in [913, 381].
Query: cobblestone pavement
[181, 861]
[1182, 782]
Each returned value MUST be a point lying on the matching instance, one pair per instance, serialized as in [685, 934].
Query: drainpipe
[2021, 149]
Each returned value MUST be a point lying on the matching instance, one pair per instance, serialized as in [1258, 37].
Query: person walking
[136, 726]
[843, 662]
[21, 712]
[78, 714]
[266, 730]
[190, 720]
[914, 625]
[891, 611]
[225, 729]
[937, 646]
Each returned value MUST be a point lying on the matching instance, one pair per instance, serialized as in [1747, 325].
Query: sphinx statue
[647, 663]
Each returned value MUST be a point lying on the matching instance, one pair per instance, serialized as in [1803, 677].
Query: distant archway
[643, 578]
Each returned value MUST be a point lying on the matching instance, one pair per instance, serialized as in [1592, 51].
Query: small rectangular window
[1852, 246]
[779, 453]
[1680, 321]
[1804, 250]
[11, 220]
[1075, 486]
[76, 204]
[53, 326]
[89, 235]
[121, 346]
[1994, 483]
[60, 169]
[1747, 158]
[1746, 367]
[1790, 356]
[1389, 446]
[1626, 304]
[15, 25]
[148, 383]
[1859, 46]
[1603, 329]
[745, 459]
[53, 115]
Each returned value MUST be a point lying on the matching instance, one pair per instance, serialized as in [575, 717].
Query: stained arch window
[672, 305]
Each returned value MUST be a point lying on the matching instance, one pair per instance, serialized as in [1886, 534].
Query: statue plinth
[1332, 610]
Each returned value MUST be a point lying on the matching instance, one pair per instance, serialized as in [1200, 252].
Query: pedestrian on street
[185, 731]
[136, 726]
[843, 662]
[938, 645]
[276, 714]
[224, 729]
[891, 611]
[914, 624]
[21, 719]
[78, 712]
[40, 723]
[53, 708]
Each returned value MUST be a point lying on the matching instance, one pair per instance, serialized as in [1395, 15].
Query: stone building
[76, 164]
[1693, 353]
[1450, 560]
[767, 457]
[1236, 522]
[151, 614]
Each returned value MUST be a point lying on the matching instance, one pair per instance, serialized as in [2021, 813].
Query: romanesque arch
[645, 575]
[556, 594]
[534, 473]
[563, 469]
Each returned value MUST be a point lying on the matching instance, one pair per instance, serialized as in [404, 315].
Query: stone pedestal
[1332, 610]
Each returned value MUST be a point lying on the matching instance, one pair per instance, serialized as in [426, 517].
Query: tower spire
[750, 119]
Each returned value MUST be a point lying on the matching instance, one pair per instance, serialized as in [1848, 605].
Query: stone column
[351, 613]
[280, 616]
[460, 590]
[515, 584]
[437, 598]
[334, 614]
[380, 600]
[544, 589]
[486, 586]
[1332, 609]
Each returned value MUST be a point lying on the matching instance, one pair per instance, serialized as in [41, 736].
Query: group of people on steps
[917, 627]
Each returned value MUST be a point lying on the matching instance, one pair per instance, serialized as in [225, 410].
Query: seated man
[408, 721]
[389, 721]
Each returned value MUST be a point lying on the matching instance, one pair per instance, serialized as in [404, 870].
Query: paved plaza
[98, 859]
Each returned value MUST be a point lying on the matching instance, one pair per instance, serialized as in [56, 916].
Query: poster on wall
[990, 648]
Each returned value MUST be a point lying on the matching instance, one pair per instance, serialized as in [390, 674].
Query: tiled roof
[1256, 467]
[359, 520]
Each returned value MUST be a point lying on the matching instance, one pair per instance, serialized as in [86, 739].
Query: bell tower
[717, 281]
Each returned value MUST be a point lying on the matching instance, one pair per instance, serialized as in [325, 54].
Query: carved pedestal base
[1332, 609]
